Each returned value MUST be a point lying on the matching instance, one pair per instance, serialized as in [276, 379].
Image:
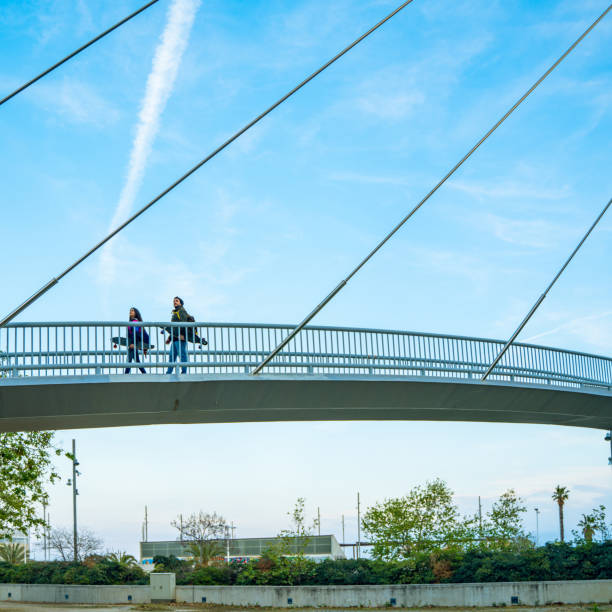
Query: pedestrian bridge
[71, 375]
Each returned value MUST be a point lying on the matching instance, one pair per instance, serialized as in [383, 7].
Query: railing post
[71, 349]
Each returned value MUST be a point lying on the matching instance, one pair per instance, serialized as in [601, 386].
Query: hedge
[550, 562]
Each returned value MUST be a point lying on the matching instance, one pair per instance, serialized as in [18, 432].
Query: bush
[551, 562]
[59, 572]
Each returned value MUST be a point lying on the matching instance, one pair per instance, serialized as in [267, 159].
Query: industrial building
[241, 550]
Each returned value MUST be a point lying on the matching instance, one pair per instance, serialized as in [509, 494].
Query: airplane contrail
[160, 83]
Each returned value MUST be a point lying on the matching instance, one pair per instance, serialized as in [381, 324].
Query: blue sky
[270, 226]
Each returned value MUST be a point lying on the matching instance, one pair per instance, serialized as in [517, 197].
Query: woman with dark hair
[137, 338]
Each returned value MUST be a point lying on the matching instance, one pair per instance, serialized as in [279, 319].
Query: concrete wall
[74, 593]
[483, 594]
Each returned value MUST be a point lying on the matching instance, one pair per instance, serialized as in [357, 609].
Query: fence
[95, 348]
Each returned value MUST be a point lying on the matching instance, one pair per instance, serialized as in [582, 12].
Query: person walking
[137, 338]
[178, 335]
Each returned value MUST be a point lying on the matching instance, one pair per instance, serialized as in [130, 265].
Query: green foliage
[593, 527]
[11, 552]
[286, 571]
[215, 574]
[105, 571]
[206, 552]
[556, 561]
[25, 470]
[426, 520]
[123, 559]
[285, 562]
[503, 526]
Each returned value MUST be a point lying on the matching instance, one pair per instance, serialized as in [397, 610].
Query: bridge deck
[70, 375]
[115, 400]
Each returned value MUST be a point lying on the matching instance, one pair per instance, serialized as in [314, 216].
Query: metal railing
[90, 348]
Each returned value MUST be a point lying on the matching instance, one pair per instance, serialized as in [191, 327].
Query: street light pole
[74, 502]
[537, 511]
[227, 542]
[358, 525]
[44, 531]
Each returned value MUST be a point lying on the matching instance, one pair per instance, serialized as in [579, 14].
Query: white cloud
[535, 233]
[592, 329]
[509, 189]
[160, 84]
[75, 102]
[390, 105]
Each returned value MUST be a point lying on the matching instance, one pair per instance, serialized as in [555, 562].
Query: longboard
[120, 340]
[192, 336]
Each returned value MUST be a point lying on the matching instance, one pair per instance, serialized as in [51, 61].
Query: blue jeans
[133, 355]
[178, 348]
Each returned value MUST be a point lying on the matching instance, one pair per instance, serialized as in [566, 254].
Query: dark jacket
[179, 314]
[136, 335]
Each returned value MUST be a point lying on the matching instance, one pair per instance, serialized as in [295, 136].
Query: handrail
[225, 324]
[85, 348]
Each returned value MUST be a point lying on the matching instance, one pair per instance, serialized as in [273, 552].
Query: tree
[504, 524]
[25, 470]
[593, 526]
[295, 539]
[560, 495]
[202, 532]
[286, 560]
[61, 540]
[205, 553]
[587, 527]
[12, 552]
[123, 559]
[424, 520]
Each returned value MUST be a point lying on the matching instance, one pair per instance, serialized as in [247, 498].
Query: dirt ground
[29, 607]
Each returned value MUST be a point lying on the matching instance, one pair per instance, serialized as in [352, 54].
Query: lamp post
[75, 492]
[358, 525]
[227, 542]
[537, 511]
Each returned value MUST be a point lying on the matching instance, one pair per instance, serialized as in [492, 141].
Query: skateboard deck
[121, 341]
[192, 336]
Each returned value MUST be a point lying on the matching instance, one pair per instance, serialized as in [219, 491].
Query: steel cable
[343, 283]
[82, 48]
[541, 298]
[220, 148]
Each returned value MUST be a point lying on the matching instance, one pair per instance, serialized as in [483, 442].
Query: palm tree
[204, 553]
[11, 552]
[588, 524]
[560, 495]
[123, 559]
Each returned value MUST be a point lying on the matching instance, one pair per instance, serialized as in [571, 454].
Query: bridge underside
[113, 401]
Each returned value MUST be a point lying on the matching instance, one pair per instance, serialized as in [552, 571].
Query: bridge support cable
[342, 284]
[220, 148]
[82, 48]
[541, 298]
